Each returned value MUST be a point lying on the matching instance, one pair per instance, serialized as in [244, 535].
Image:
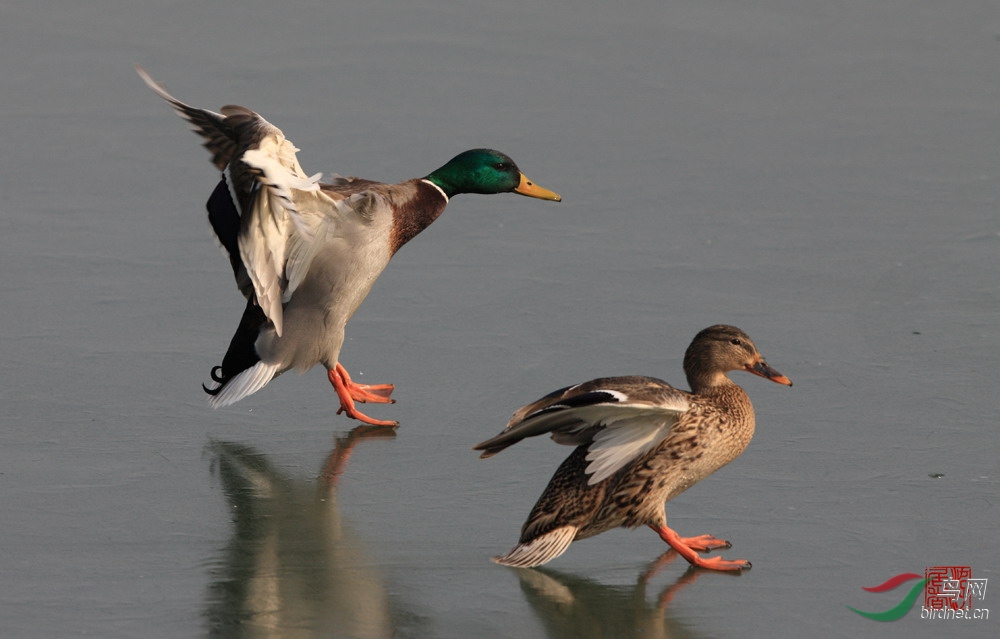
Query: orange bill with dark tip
[529, 188]
[761, 368]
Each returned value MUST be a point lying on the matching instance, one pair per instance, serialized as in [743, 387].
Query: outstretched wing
[617, 418]
[278, 207]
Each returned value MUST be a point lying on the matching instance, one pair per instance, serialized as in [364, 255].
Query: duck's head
[486, 171]
[719, 349]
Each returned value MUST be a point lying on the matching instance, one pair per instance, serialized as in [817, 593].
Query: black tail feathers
[242, 353]
[218, 378]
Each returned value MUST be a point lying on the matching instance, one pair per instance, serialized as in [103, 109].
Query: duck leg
[347, 391]
[687, 547]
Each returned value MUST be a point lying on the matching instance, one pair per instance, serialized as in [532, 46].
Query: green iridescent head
[486, 171]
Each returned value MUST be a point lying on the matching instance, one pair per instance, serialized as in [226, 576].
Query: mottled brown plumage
[640, 443]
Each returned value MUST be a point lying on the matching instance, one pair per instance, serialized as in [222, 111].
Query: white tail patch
[540, 550]
[246, 383]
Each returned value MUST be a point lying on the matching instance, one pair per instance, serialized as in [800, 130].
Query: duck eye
[736, 341]
[501, 166]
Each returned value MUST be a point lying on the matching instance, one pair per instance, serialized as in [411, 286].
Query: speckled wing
[618, 419]
[220, 139]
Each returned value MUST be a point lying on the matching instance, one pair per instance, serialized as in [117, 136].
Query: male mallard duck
[306, 253]
[640, 443]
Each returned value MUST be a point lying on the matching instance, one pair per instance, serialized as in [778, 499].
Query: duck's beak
[529, 188]
[761, 368]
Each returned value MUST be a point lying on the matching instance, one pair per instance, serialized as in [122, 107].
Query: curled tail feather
[218, 378]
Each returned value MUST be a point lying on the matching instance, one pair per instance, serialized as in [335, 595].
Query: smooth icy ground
[822, 174]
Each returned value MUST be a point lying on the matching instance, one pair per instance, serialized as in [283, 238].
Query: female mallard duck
[640, 443]
[306, 253]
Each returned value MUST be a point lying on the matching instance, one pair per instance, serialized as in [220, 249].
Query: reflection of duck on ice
[572, 607]
[293, 568]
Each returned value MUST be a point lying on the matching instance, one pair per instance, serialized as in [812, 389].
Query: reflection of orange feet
[704, 543]
[341, 384]
[656, 566]
[688, 552]
[336, 461]
[376, 393]
[689, 577]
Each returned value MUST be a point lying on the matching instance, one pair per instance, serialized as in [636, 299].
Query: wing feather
[619, 419]
[283, 213]
[627, 439]
[220, 139]
[280, 207]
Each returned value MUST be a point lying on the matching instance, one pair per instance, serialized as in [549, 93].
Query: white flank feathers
[246, 383]
[540, 550]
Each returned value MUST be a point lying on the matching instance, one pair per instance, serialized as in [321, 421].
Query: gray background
[822, 174]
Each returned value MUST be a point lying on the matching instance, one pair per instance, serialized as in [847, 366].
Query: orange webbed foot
[718, 563]
[354, 413]
[689, 552]
[705, 543]
[347, 398]
[375, 393]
